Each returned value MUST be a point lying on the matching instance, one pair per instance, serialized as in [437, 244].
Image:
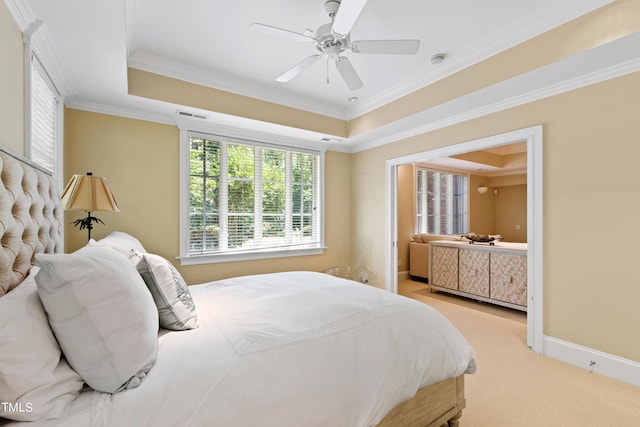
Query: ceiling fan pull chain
[327, 70]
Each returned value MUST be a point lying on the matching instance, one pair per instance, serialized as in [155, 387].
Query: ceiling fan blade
[393, 47]
[346, 16]
[298, 68]
[348, 73]
[268, 29]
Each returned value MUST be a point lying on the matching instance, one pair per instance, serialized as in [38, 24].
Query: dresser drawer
[509, 278]
[444, 263]
[473, 272]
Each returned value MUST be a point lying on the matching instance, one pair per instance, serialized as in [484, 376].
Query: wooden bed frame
[437, 405]
[31, 218]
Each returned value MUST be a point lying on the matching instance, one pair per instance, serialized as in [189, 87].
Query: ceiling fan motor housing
[327, 43]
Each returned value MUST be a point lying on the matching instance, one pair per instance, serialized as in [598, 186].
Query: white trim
[247, 134]
[607, 364]
[187, 127]
[391, 229]
[533, 136]
[27, 53]
[535, 267]
[251, 138]
[21, 12]
[45, 49]
[248, 256]
[32, 58]
[42, 43]
[112, 110]
[59, 175]
[184, 193]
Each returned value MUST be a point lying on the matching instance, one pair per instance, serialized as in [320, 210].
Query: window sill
[248, 256]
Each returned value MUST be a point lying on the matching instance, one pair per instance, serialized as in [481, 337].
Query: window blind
[251, 197]
[44, 118]
[441, 202]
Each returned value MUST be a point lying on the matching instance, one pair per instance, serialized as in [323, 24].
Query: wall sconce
[88, 193]
[482, 189]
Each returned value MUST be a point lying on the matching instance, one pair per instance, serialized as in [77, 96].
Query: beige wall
[590, 279]
[502, 209]
[510, 219]
[482, 207]
[11, 83]
[141, 162]
[406, 213]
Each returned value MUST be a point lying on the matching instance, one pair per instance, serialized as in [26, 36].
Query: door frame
[533, 137]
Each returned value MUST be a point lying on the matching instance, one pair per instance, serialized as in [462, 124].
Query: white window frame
[185, 258]
[31, 60]
[419, 220]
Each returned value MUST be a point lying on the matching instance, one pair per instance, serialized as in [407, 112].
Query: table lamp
[89, 193]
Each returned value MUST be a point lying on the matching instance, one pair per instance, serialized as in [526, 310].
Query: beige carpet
[515, 387]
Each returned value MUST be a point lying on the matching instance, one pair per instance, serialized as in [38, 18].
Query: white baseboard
[403, 275]
[612, 366]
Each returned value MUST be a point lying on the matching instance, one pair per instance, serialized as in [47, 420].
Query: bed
[285, 349]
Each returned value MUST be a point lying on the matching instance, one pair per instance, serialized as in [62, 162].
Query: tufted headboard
[31, 217]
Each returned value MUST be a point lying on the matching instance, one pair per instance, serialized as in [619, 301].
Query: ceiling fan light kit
[333, 38]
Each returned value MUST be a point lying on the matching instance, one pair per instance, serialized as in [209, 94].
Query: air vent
[190, 114]
[327, 139]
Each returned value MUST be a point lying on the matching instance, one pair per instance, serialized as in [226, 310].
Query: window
[251, 198]
[441, 202]
[45, 119]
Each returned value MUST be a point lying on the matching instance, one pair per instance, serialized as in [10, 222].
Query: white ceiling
[89, 45]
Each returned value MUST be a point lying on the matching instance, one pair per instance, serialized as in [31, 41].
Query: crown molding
[156, 64]
[535, 85]
[457, 111]
[21, 12]
[44, 48]
[42, 44]
[111, 110]
[516, 33]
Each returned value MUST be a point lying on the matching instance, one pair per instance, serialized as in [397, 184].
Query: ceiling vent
[193, 115]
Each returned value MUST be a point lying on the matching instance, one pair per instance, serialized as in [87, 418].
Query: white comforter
[287, 349]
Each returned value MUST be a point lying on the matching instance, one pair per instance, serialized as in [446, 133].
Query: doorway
[533, 138]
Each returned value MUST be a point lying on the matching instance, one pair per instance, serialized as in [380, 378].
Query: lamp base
[87, 223]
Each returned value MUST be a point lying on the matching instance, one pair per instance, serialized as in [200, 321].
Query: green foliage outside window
[226, 212]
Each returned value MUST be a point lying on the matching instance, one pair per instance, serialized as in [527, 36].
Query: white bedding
[286, 349]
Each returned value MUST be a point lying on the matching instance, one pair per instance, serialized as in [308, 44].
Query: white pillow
[122, 241]
[36, 383]
[102, 314]
[171, 294]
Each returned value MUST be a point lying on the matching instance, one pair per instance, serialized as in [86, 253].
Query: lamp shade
[89, 193]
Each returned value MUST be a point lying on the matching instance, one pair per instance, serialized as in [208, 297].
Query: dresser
[495, 274]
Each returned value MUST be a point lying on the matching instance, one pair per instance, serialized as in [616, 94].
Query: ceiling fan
[332, 39]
